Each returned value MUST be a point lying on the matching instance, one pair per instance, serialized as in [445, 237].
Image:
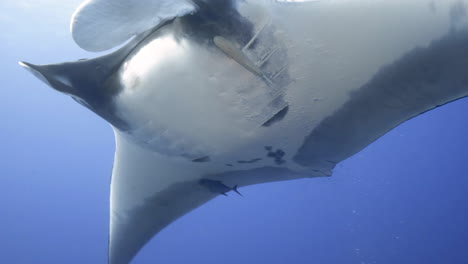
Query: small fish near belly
[218, 187]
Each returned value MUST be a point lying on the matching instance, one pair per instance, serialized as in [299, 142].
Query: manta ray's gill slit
[277, 117]
[202, 159]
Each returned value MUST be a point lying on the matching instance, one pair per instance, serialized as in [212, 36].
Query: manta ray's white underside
[309, 86]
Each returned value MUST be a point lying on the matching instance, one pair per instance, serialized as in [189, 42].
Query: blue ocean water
[401, 200]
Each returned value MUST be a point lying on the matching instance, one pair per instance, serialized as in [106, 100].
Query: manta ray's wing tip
[24, 64]
[34, 69]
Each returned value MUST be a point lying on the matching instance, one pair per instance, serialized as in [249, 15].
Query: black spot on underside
[277, 155]
[202, 159]
[249, 161]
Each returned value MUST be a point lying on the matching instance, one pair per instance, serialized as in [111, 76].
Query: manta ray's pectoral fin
[83, 77]
[419, 81]
[149, 191]
[89, 82]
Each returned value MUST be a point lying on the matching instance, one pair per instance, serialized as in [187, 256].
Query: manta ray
[205, 96]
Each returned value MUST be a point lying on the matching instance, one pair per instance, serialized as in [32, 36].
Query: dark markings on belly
[202, 159]
[276, 155]
[249, 161]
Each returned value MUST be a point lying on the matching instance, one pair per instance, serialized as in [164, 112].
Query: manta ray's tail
[235, 189]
